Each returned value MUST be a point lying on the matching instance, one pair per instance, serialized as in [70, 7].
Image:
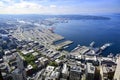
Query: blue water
[83, 32]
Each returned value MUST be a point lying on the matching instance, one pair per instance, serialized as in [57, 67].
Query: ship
[110, 55]
[105, 46]
[92, 44]
[65, 47]
[52, 29]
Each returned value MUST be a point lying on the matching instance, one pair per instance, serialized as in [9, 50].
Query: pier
[63, 44]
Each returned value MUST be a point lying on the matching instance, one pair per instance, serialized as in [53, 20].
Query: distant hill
[37, 16]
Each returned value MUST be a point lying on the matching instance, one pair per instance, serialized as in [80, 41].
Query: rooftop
[50, 68]
[65, 69]
[90, 68]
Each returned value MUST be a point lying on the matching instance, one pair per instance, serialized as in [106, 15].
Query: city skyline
[59, 6]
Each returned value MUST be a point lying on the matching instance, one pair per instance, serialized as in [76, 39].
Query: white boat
[92, 44]
[65, 47]
[105, 46]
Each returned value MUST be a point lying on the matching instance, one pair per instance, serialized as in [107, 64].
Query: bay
[83, 32]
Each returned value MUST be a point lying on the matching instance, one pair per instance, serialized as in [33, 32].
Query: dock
[38, 33]
[63, 44]
[80, 50]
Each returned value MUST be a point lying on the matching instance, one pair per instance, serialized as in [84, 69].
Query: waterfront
[41, 50]
[83, 32]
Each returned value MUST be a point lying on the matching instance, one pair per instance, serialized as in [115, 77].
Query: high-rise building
[90, 71]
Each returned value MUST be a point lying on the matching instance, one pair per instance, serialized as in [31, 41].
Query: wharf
[63, 44]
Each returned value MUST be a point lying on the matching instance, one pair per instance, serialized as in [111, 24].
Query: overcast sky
[59, 6]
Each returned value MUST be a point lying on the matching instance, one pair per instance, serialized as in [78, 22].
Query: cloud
[20, 8]
[7, 0]
[26, 5]
[1, 4]
[53, 6]
[58, 6]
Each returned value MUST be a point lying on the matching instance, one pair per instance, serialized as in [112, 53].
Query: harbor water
[83, 32]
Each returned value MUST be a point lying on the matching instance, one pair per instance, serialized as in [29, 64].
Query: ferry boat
[105, 46]
[65, 47]
[92, 44]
